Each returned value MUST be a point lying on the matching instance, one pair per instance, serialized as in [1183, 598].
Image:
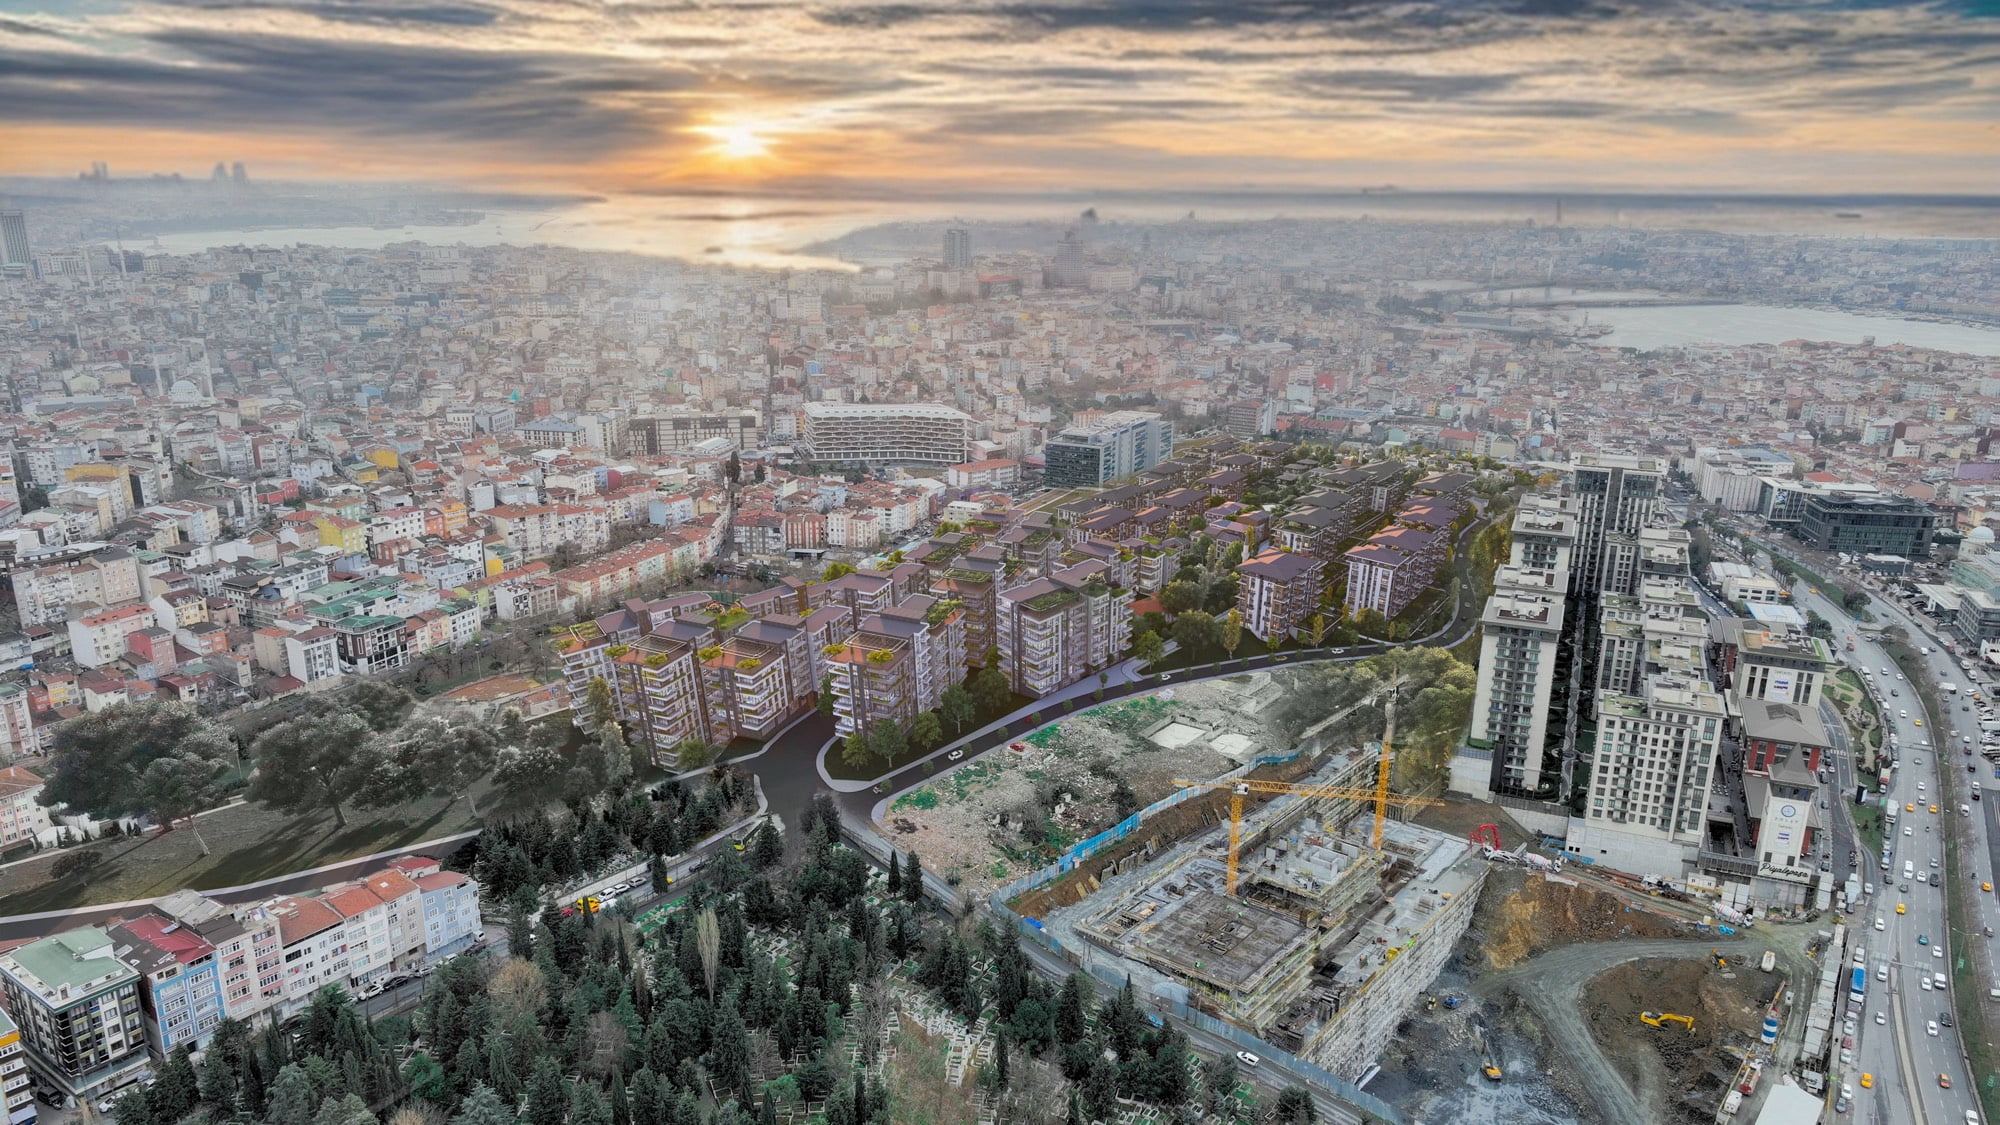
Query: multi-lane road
[1905, 1043]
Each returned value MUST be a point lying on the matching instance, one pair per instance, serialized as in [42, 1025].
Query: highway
[1902, 1042]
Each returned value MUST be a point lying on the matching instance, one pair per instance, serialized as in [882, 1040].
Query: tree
[957, 707]
[826, 700]
[548, 1094]
[382, 706]
[99, 760]
[836, 570]
[1232, 631]
[886, 740]
[292, 1097]
[854, 749]
[926, 731]
[1180, 596]
[1195, 630]
[598, 704]
[483, 1107]
[733, 468]
[990, 688]
[316, 761]
[1295, 1107]
[527, 777]
[79, 865]
[178, 787]
[913, 879]
[1148, 647]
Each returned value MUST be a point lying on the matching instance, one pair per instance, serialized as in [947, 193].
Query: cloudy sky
[936, 97]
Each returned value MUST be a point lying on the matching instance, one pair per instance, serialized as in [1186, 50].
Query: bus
[1857, 990]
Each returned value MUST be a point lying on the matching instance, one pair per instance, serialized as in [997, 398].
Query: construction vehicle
[1240, 788]
[1489, 1063]
[1662, 1019]
[1721, 962]
[1452, 1002]
[1430, 1003]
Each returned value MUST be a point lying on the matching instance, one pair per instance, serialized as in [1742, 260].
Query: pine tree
[176, 1091]
[913, 880]
[895, 876]
[483, 1107]
[548, 1094]
[291, 1097]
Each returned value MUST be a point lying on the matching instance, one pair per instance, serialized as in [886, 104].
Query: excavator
[1662, 1019]
[1489, 1062]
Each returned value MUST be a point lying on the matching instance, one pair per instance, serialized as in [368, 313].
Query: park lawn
[248, 843]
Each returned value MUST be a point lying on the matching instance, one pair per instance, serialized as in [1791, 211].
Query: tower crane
[1240, 788]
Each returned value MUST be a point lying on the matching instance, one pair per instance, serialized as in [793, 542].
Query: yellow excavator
[1662, 1019]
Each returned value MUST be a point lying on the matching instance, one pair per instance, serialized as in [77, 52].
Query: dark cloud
[383, 13]
[1396, 85]
[550, 104]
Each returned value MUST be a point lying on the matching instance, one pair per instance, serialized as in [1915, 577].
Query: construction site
[1313, 920]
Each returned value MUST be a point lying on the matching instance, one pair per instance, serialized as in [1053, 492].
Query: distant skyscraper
[239, 173]
[1069, 265]
[957, 248]
[13, 239]
[220, 175]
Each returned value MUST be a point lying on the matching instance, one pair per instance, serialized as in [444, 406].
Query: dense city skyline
[935, 99]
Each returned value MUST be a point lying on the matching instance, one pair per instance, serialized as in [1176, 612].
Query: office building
[842, 433]
[77, 1006]
[957, 248]
[1520, 633]
[1069, 269]
[1123, 443]
[1846, 523]
[15, 255]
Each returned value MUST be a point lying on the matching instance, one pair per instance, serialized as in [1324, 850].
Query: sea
[821, 233]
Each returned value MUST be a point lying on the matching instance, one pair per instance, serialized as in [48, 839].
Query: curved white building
[882, 433]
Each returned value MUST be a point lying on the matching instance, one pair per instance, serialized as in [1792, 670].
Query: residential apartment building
[23, 817]
[17, 1093]
[1651, 774]
[834, 433]
[1390, 570]
[1122, 443]
[1057, 630]
[1612, 493]
[249, 951]
[18, 736]
[78, 1009]
[180, 981]
[531, 531]
[660, 691]
[1278, 591]
[1520, 633]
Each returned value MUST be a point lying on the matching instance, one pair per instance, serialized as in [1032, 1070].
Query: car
[1881, 1018]
[1280, 659]
[607, 892]
[1879, 924]
[1923, 939]
[1937, 951]
[1899, 695]
[1924, 983]
[1933, 810]
[1247, 1059]
[1934, 878]
[1901, 909]
[1017, 746]
[1944, 1081]
[608, 902]
[1944, 1019]
[620, 888]
[954, 756]
[1867, 1081]
[1916, 722]
[1905, 888]
[479, 938]
[1930, 1027]
[1971, 1117]
[1910, 806]
[1987, 886]
[1907, 830]
[1901, 714]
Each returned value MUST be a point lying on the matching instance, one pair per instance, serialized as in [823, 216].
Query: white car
[1881, 1018]
[1937, 951]
[954, 756]
[1930, 1027]
[1248, 1059]
[1925, 982]
[1878, 923]
[1906, 830]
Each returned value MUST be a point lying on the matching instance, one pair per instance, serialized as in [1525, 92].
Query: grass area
[247, 842]
[1868, 826]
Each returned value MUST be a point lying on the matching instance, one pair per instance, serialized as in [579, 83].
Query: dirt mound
[1685, 1072]
[1522, 914]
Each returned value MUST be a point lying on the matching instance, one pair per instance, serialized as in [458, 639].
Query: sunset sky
[942, 97]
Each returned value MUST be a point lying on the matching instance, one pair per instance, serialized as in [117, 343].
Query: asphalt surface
[1906, 1053]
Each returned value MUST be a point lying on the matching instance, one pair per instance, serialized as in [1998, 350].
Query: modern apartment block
[1056, 630]
[839, 433]
[896, 663]
[659, 691]
[16, 1091]
[1613, 493]
[1655, 761]
[78, 1009]
[1391, 569]
[1278, 591]
[1520, 633]
[1121, 444]
[1771, 664]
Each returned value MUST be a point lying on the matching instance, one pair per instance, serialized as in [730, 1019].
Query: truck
[1770, 960]
[1857, 988]
[1948, 689]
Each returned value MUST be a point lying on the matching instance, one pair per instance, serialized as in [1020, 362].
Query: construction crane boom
[1240, 788]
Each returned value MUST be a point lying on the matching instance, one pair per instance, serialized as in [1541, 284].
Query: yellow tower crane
[1243, 787]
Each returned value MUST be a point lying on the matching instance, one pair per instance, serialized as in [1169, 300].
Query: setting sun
[735, 141]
